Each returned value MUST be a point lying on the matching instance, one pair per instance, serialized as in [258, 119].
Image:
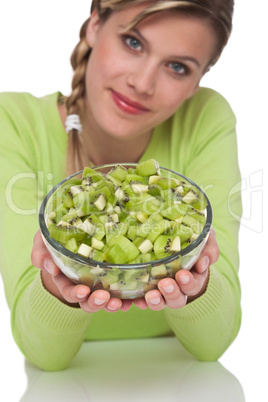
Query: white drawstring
[73, 122]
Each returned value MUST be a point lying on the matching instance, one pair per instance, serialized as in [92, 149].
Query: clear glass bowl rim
[87, 261]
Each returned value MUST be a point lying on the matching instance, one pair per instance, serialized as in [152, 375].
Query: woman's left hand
[187, 285]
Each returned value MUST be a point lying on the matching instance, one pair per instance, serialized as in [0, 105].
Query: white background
[36, 40]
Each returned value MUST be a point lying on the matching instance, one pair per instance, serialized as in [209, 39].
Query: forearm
[208, 325]
[48, 332]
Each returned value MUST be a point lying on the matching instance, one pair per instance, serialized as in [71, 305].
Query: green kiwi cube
[72, 245]
[159, 271]
[139, 275]
[97, 255]
[94, 175]
[158, 229]
[118, 172]
[109, 277]
[63, 234]
[148, 168]
[192, 223]
[145, 246]
[86, 277]
[174, 212]
[162, 246]
[84, 250]
[181, 230]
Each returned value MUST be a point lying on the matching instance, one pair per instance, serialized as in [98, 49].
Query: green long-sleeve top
[199, 141]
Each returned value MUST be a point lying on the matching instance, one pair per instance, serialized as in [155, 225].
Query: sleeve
[208, 325]
[48, 332]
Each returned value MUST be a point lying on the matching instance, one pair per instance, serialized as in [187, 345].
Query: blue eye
[133, 43]
[178, 68]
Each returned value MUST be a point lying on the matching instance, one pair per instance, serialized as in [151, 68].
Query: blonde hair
[218, 12]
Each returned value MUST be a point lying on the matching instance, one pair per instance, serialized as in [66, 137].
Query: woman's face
[139, 78]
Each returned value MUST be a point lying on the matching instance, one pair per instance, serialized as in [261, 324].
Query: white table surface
[138, 371]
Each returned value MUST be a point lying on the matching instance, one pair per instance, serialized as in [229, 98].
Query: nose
[142, 78]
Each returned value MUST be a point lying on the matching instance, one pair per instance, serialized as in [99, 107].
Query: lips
[127, 105]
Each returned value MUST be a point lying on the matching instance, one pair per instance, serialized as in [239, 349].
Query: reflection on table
[140, 370]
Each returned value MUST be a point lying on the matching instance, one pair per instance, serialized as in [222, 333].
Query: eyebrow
[143, 39]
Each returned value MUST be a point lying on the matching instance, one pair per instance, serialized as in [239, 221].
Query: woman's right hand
[66, 291]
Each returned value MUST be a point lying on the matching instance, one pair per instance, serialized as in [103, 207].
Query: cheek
[105, 64]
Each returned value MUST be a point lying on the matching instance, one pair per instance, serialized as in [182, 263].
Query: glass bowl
[142, 277]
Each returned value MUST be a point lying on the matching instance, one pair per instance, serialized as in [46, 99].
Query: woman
[135, 95]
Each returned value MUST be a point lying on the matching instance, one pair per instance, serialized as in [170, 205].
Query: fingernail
[155, 301]
[49, 266]
[99, 301]
[111, 308]
[204, 263]
[184, 279]
[80, 296]
[168, 289]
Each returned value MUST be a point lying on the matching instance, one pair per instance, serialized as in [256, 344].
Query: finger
[126, 304]
[209, 254]
[96, 301]
[40, 256]
[173, 295]
[71, 293]
[141, 303]
[191, 283]
[155, 300]
[113, 305]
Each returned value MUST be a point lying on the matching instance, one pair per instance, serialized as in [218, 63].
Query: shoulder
[22, 102]
[207, 101]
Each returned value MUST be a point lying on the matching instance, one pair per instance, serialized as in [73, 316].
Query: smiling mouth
[127, 105]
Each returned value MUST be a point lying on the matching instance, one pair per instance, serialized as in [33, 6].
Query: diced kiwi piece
[97, 255]
[175, 211]
[181, 230]
[93, 174]
[196, 214]
[121, 285]
[118, 172]
[139, 188]
[164, 182]
[143, 202]
[135, 178]
[166, 245]
[72, 245]
[109, 277]
[60, 211]
[145, 246]
[68, 200]
[148, 168]
[159, 272]
[132, 232]
[97, 244]
[171, 194]
[71, 214]
[194, 197]
[140, 275]
[115, 230]
[84, 250]
[154, 190]
[100, 202]
[158, 229]
[63, 234]
[145, 228]
[86, 277]
[192, 223]
[122, 252]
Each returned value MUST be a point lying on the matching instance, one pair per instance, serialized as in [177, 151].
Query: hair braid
[76, 157]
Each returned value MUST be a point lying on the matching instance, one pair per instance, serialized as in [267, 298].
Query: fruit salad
[130, 216]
